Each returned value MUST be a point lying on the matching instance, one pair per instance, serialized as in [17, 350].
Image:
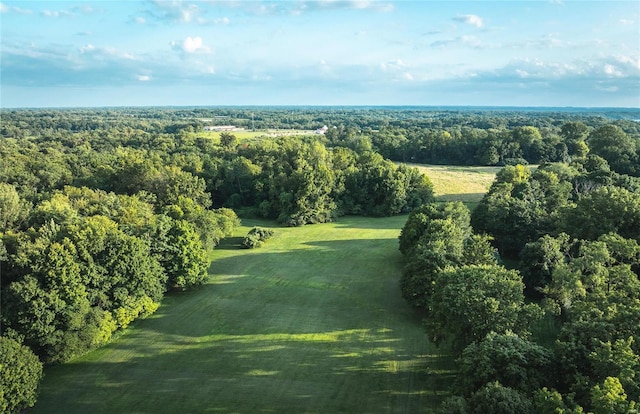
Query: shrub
[256, 237]
[21, 373]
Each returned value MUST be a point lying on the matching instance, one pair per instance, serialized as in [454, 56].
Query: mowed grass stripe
[311, 322]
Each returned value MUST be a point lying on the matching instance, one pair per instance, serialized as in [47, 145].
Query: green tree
[13, 209]
[442, 246]
[434, 237]
[513, 210]
[529, 139]
[471, 301]
[495, 398]
[49, 306]
[514, 362]
[417, 223]
[228, 140]
[574, 134]
[618, 359]
[539, 259]
[610, 398]
[20, 375]
[185, 260]
[551, 401]
[171, 183]
[601, 211]
[614, 145]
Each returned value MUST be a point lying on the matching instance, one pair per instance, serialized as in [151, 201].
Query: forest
[535, 291]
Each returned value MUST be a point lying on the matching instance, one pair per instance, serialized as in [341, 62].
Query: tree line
[557, 331]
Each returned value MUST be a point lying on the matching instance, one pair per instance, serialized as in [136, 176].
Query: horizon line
[566, 107]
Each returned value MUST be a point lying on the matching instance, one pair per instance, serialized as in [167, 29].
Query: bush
[256, 237]
[21, 374]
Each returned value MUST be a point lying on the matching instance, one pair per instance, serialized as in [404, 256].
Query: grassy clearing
[249, 134]
[459, 183]
[311, 322]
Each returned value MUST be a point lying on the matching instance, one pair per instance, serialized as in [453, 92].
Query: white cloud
[87, 49]
[191, 45]
[465, 40]
[297, 8]
[13, 9]
[626, 22]
[174, 10]
[55, 13]
[631, 61]
[140, 20]
[611, 70]
[471, 19]
[397, 64]
[144, 78]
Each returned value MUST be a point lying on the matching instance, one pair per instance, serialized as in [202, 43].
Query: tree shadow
[462, 197]
[381, 223]
[230, 243]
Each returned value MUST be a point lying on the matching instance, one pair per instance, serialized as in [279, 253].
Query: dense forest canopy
[569, 231]
[103, 211]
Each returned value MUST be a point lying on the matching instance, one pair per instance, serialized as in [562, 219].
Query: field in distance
[311, 322]
[247, 134]
[459, 183]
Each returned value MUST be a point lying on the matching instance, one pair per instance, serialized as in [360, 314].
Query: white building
[220, 128]
[321, 131]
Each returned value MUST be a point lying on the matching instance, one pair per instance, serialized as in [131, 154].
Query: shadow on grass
[230, 243]
[321, 329]
[379, 223]
[463, 197]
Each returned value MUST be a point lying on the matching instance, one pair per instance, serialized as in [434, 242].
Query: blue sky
[331, 52]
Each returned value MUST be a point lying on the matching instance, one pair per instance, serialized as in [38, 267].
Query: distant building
[220, 128]
[321, 131]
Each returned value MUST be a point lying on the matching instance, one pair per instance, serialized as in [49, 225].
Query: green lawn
[311, 322]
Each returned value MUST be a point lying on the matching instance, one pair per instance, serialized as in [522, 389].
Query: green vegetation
[21, 373]
[312, 322]
[575, 228]
[108, 215]
[251, 135]
[256, 237]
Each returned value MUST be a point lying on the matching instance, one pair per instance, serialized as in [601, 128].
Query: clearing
[459, 183]
[313, 322]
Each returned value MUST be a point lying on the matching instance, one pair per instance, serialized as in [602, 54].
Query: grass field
[459, 183]
[313, 322]
[250, 134]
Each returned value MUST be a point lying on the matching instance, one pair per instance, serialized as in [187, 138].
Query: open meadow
[311, 322]
[459, 183]
[247, 134]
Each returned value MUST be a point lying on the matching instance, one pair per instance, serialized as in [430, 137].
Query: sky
[325, 52]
